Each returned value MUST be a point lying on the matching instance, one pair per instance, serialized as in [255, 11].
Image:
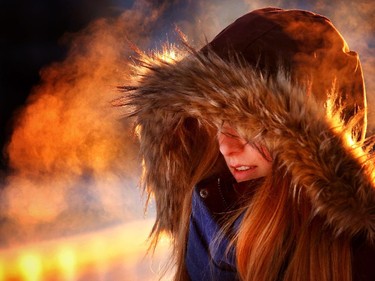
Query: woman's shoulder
[363, 260]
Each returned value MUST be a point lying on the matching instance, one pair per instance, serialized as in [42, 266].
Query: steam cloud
[74, 162]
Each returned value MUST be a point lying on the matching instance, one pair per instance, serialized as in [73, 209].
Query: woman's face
[245, 162]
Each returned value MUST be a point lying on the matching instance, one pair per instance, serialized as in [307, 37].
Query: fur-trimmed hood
[179, 105]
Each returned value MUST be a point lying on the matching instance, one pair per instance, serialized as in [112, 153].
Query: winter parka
[280, 86]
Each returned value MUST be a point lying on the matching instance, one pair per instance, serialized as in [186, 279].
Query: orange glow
[30, 267]
[122, 247]
[69, 139]
[74, 167]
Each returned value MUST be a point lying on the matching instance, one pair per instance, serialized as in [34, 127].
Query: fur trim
[309, 139]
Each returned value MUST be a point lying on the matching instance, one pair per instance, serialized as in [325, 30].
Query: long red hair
[280, 240]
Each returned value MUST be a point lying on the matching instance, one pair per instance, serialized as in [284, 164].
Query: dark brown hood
[304, 44]
[179, 105]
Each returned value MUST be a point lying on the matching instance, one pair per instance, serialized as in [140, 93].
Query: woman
[281, 96]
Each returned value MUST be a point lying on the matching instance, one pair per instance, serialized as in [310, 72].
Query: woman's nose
[229, 145]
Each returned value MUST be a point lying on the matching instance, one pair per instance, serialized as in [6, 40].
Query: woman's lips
[243, 172]
[243, 168]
